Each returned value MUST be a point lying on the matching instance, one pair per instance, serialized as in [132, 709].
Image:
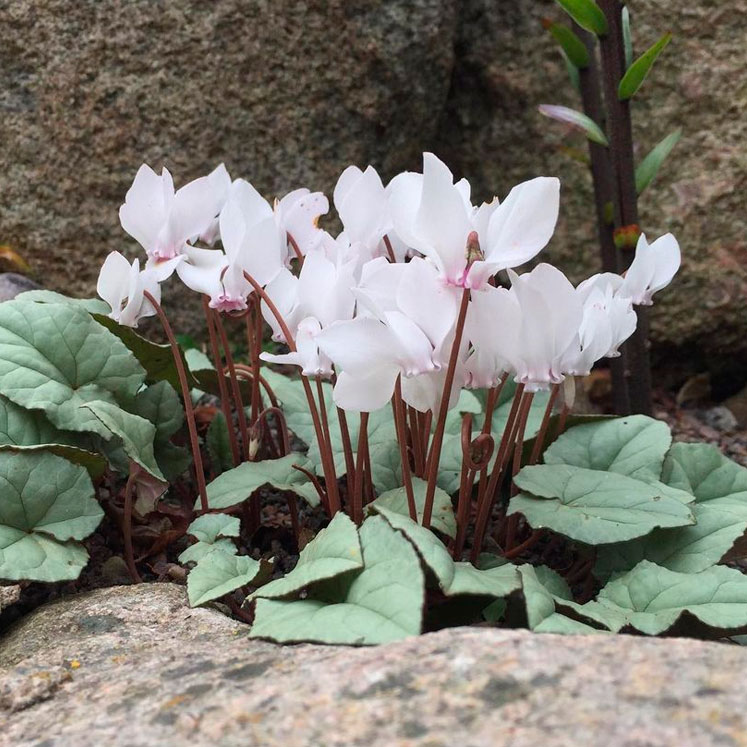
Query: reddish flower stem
[401, 428]
[254, 335]
[188, 409]
[513, 520]
[438, 436]
[357, 503]
[417, 441]
[328, 464]
[487, 499]
[225, 402]
[237, 400]
[539, 441]
[246, 372]
[295, 248]
[487, 426]
[389, 250]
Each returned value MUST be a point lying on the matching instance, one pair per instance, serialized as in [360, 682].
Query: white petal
[299, 214]
[362, 210]
[112, 281]
[640, 274]
[365, 393]
[359, 345]
[523, 224]
[667, 256]
[442, 222]
[145, 209]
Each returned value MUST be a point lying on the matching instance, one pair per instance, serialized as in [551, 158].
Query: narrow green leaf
[637, 72]
[574, 49]
[648, 168]
[627, 37]
[587, 14]
[579, 120]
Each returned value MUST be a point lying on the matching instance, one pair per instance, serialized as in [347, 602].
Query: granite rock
[136, 666]
[289, 92]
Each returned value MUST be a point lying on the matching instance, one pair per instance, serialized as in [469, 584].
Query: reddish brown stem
[357, 503]
[254, 337]
[434, 456]
[539, 440]
[417, 442]
[389, 250]
[328, 464]
[188, 409]
[317, 485]
[225, 402]
[237, 400]
[295, 247]
[401, 428]
[487, 499]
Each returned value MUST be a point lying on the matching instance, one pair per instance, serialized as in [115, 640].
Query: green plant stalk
[237, 400]
[225, 402]
[434, 457]
[612, 47]
[325, 449]
[189, 413]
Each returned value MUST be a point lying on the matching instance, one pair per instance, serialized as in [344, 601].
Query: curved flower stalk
[435, 216]
[163, 220]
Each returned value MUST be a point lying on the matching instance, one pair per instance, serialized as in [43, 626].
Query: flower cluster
[409, 291]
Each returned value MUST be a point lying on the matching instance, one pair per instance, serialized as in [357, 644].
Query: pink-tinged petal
[523, 224]
[412, 350]
[203, 279]
[359, 345]
[163, 269]
[427, 299]
[365, 393]
[442, 222]
[149, 282]
[146, 205]
[666, 251]
[112, 281]
[423, 392]
[220, 181]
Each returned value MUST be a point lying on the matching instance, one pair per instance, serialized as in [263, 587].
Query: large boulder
[136, 666]
[287, 93]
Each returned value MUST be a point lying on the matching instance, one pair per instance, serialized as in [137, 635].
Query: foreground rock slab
[136, 666]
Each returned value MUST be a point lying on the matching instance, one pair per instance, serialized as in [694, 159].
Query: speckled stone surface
[289, 92]
[136, 666]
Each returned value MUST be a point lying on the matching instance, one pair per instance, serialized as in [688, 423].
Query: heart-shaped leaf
[211, 532]
[334, 551]
[383, 603]
[91, 305]
[136, 433]
[652, 599]
[55, 358]
[47, 503]
[160, 404]
[592, 506]
[634, 446]
[219, 444]
[443, 518]
[239, 483]
[219, 573]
